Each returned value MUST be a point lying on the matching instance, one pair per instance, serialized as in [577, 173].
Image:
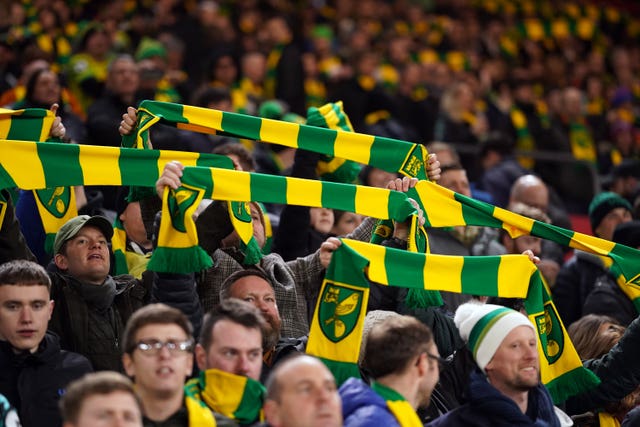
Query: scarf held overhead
[512, 276]
[178, 249]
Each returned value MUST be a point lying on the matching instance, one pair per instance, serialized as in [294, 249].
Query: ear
[51, 306]
[271, 413]
[129, 366]
[424, 364]
[201, 357]
[61, 261]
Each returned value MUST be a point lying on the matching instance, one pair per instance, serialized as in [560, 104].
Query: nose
[26, 316]
[164, 352]
[243, 366]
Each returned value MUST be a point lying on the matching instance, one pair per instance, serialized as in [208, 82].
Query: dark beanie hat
[628, 233]
[604, 203]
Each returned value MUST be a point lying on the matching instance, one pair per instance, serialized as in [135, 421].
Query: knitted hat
[628, 233]
[604, 203]
[484, 326]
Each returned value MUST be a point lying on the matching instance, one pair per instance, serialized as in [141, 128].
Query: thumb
[54, 108]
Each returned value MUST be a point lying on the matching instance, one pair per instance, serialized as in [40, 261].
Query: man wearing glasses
[402, 363]
[158, 354]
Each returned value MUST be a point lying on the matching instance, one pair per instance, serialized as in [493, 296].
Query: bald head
[530, 190]
[301, 392]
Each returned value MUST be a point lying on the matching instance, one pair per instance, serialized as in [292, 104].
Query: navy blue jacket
[489, 407]
[363, 407]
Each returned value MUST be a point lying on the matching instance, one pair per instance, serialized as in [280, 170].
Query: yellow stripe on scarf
[404, 413]
[199, 414]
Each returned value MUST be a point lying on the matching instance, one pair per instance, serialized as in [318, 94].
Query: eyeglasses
[175, 348]
[442, 362]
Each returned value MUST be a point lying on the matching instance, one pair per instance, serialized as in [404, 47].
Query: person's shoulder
[72, 361]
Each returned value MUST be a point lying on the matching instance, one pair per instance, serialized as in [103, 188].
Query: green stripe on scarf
[336, 328]
[31, 124]
[179, 237]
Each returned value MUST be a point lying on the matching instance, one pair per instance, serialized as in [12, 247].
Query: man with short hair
[101, 399]
[91, 306]
[506, 390]
[158, 355]
[229, 356]
[301, 392]
[254, 286]
[34, 371]
[402, 361]
[578, 275]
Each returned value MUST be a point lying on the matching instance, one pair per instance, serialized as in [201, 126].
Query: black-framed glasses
[442, 362]
[175, 348]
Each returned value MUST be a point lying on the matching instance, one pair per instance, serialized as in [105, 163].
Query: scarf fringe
[576, 381]
[179, 260]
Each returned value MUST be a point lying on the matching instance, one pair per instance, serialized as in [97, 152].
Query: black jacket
[33, 383]
[574, 283]
[607, 299]
[96, 334]
[618, 370]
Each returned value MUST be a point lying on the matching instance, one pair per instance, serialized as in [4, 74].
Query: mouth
[27, 333]
[95, 256]
[164, 371]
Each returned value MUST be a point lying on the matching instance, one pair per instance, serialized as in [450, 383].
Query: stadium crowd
[531, 106]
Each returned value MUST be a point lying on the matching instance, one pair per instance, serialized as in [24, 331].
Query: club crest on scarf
[339, 310]
[184, 198]
[414, 164]
[55, 200]
[241, 211]
[550, 330]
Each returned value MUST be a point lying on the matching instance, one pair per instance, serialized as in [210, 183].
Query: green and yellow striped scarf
[398, 405]
[178, 249]
[50, 169]
[237, 397]
[445, 208]
[511, 276]
[392, 155]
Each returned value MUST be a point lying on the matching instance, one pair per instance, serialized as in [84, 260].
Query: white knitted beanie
[484, 326]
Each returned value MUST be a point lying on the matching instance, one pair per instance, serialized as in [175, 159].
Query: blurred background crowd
[523, 86]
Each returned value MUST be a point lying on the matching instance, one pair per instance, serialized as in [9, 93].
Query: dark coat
[607, 299]
[79, 325]
[33, 383]
[489, 407]
[362, 407]
[574, 283]
[618, 370]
